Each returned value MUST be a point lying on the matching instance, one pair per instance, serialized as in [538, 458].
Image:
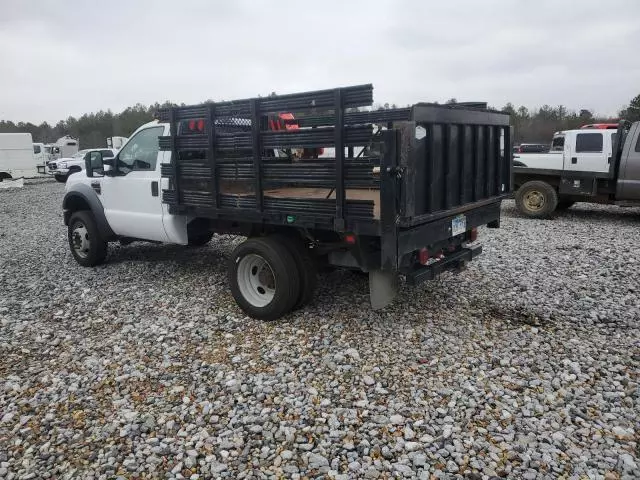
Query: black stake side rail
[360, 209]
[359, 173]
[356, 96]
[231, 142]
[205, 137]
[354, 118]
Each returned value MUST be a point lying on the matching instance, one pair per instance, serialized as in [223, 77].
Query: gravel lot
[525, 366]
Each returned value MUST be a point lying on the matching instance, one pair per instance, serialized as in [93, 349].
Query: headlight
[62, 165]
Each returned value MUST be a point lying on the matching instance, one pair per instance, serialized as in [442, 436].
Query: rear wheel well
[550, 180]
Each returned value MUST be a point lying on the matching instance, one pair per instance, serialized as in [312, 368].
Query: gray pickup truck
[541, 191]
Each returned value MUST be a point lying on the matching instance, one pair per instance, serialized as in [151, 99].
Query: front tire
[61, 178]
[264, 278]
[87, 245]
[536, 199]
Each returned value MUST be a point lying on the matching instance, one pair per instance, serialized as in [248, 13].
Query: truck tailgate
[452, 170]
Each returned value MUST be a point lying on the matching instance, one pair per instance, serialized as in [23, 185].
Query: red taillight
[423, 256]
[350, 238]
[473, 234]
[192, 127]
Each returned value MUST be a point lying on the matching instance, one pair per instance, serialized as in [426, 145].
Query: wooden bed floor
[314, 193]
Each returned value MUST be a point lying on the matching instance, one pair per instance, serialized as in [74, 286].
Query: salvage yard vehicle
[17, 156]
[408, 203]
[63, 167]
[594, 164]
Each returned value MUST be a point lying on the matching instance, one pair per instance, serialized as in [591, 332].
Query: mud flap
[383, 288]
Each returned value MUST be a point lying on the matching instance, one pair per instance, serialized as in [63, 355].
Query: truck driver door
[131, 198]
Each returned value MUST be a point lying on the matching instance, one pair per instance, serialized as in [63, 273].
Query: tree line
[92, 129]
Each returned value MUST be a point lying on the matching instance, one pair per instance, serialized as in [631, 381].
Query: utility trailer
[403, 194]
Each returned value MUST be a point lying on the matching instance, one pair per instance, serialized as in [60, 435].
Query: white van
[17, 156]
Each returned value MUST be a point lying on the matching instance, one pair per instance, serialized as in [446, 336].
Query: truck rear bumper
[455, 261]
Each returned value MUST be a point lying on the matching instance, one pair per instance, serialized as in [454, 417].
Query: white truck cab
[584, 150]
[127, 201]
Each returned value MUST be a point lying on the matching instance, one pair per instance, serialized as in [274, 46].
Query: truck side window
[141, 153]
[36, 149]
[588, 142]
[558, 144]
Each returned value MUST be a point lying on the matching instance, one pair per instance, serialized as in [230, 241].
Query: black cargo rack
[235, 148]
[425, 165]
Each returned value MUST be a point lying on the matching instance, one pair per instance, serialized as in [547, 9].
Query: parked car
[63, 167]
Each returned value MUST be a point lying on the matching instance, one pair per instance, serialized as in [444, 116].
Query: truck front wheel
[61, 178]
[536, 199]
[264, 278]
[87, 246]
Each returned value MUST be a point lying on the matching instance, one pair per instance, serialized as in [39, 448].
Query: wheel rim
[534, 200]
[256, 280]
[80, 240]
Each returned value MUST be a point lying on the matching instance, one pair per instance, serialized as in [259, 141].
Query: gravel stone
[522, 366]
[368, 380]
[405, 470]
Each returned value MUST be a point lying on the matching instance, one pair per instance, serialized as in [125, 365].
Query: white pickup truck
[63, 167]
[596, 165]
[583, 150]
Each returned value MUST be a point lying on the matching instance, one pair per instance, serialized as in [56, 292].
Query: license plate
[458, 225]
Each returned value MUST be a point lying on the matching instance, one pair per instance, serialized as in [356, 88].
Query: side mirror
[95, 163]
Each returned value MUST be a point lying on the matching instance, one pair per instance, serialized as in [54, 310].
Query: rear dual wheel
[536, 199]
[269, 276]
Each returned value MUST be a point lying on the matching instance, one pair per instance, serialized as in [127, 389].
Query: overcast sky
[61, 58]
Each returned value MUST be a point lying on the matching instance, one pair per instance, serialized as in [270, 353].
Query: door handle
[154, 189]
[574, 160]
[96, 186]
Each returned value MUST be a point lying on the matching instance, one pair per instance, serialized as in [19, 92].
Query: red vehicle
[601, 126]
